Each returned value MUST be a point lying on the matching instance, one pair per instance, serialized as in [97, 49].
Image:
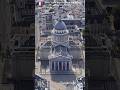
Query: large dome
[60, 25]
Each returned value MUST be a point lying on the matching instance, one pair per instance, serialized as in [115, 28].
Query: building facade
[60, 59]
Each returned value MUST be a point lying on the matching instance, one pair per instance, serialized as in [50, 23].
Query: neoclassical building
[59, 57]
[62, 51]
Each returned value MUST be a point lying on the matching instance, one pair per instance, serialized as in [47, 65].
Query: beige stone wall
[44, 53]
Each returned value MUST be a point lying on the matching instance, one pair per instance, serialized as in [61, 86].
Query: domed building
[60, 34]
[59, 58]
[61, 52]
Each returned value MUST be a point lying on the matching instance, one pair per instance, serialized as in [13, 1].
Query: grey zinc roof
[60, 25]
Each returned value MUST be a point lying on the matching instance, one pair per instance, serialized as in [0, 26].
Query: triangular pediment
[58, 57]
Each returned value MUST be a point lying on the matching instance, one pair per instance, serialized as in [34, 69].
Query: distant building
[22, 12]
[47, 18]
[72, 23]
[41, 84]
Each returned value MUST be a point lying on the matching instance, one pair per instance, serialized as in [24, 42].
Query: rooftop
[60, 25]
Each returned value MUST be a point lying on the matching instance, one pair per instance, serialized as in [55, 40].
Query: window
[16, 43]
[12, 9]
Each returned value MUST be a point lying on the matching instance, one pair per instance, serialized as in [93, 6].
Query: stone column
[65, 66]
[54, 66]
[62, 66]
[70, 64]
[58, 65]
[50, 65]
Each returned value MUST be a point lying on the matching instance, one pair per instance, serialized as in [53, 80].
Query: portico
[60, 66]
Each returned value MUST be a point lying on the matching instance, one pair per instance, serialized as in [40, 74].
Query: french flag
[41, 3]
